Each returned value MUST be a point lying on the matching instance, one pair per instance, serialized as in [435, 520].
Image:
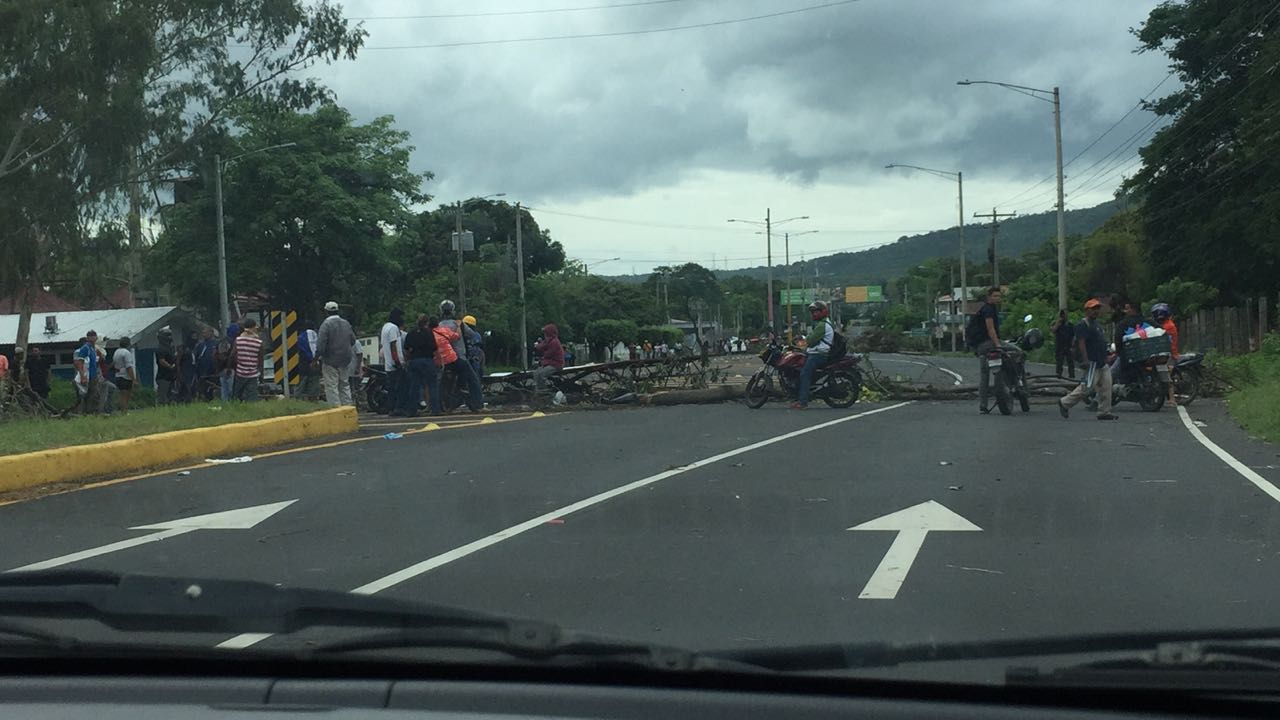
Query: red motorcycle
[837, 383]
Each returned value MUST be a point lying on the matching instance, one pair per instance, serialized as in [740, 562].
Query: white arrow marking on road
[240, 519]
[912, 525]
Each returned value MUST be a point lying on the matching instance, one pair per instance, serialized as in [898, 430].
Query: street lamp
[462, 292]
[1057, 137]
[218, 166]
[768, 234]
[588, 266]
[787, 261]
[959, 177]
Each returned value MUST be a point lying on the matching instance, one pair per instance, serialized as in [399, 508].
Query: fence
[1230, 331]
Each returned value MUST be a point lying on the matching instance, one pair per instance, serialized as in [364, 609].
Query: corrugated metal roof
[73, 325]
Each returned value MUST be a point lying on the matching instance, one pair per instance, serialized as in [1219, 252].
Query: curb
[148, 451]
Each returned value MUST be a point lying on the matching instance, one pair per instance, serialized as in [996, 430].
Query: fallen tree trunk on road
[715, 394]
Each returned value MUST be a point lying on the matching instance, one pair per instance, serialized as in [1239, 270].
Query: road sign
[912, 525]
[863, 294]
[239, 519]
[468, 241]
[798, 296]
[277, 351]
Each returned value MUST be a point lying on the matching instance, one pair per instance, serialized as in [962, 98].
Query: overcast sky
[641, 146]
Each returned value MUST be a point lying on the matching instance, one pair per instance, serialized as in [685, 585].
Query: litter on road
[241, 459]
[392, 436]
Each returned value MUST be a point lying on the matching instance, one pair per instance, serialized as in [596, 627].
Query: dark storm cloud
[836, 92]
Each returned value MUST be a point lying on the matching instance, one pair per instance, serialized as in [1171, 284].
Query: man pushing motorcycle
[818, 348]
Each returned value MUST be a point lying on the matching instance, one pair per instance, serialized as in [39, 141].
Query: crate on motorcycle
[1139, 349]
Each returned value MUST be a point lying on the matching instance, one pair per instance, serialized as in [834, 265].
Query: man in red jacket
[552, 355]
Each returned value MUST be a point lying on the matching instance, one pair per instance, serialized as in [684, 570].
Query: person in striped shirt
[246, 358]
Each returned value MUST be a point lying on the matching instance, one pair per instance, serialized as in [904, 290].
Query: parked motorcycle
[1186, 376]
[838, 383]
[1008, 367]
[373, 386]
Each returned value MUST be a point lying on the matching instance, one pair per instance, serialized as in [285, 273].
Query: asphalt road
[718, 526]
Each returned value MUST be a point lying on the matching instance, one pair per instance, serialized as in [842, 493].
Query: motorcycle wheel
[758, 388]
[1004, 396]
[1024, 400]
[378, 398]
[1151, 395]
[842, 390]
[1186, 385]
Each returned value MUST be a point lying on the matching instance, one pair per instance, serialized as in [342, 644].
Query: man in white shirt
[125, 368]
[393, 360]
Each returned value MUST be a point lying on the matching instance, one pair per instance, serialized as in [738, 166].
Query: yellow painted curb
[149, 451]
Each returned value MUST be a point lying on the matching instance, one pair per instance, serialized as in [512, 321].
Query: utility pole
[992, 251]
[524, 318]
[457, 226]
[1062, 217]
[768, 243]
[786, 239]
[964, 279]
[224, 310]
[952, 281]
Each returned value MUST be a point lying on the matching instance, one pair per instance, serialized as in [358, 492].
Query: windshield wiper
[1258, 645]
[147, 603]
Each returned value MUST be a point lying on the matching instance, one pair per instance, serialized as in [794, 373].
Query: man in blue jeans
[818, 344]
[420, 345]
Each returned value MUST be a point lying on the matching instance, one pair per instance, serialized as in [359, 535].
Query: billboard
[863, 294]
[798, 296]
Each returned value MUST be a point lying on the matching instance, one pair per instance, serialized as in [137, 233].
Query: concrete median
[78, 462]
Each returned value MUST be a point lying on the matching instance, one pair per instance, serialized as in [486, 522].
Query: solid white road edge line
[244, 640]
[1263, 484]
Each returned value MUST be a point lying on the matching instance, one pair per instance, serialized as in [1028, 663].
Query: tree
[1113, 259]
[604, 334]
[304, 224]
[1209, 184]
[426, 246]
[101, 98]
[1186, 297]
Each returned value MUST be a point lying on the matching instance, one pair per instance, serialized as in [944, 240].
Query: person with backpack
[823, 345]
[982, 334]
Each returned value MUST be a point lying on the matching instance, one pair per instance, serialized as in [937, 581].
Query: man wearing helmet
[817, 348]
[455, 332]
[1162, 317]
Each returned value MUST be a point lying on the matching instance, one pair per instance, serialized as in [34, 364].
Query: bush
[603, 334]
[658, 334]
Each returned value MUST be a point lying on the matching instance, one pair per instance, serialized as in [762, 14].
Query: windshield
[720, 327]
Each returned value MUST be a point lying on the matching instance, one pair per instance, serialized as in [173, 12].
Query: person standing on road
[463, 369]
[87, 372]
[817, 349]
[353, 370]
[334, 341]
[421, 345]
[246, 358]
[983, 335]
[393, 359]
[475, 344]
[309, 363]
[126, 372]
[1093, 348]
[1063, 334]
[551, 355]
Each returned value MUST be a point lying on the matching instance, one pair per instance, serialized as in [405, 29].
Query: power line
[513, 12]
[618, 33]
[705, 228]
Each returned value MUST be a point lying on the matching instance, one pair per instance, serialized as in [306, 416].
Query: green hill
[878, 265]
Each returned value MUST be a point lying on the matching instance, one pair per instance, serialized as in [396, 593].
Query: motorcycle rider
[986, 336]
[1162, 317]
[1093, 349]
[817, 348]
[1129, 318]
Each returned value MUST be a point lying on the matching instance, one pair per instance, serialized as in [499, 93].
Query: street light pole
[524, 318]
[1038, 94]
[768, 241]
[457, 234]
[959, 176]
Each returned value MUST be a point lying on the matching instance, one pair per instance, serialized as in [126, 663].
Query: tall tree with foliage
[98, 99]
[1210, 183]
[304, 224]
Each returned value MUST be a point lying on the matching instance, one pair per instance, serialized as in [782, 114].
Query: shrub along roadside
[1254, 400]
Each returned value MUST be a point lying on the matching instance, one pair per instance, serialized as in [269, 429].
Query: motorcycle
[1146, 383]
[373, 389]
[838, 383]
[1007, 364]
[1186, 376]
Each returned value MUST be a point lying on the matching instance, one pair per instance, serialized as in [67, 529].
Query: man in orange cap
[1093, 348]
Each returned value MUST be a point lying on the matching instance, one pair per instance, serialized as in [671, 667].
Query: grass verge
[22, 436]
[1255, 401]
